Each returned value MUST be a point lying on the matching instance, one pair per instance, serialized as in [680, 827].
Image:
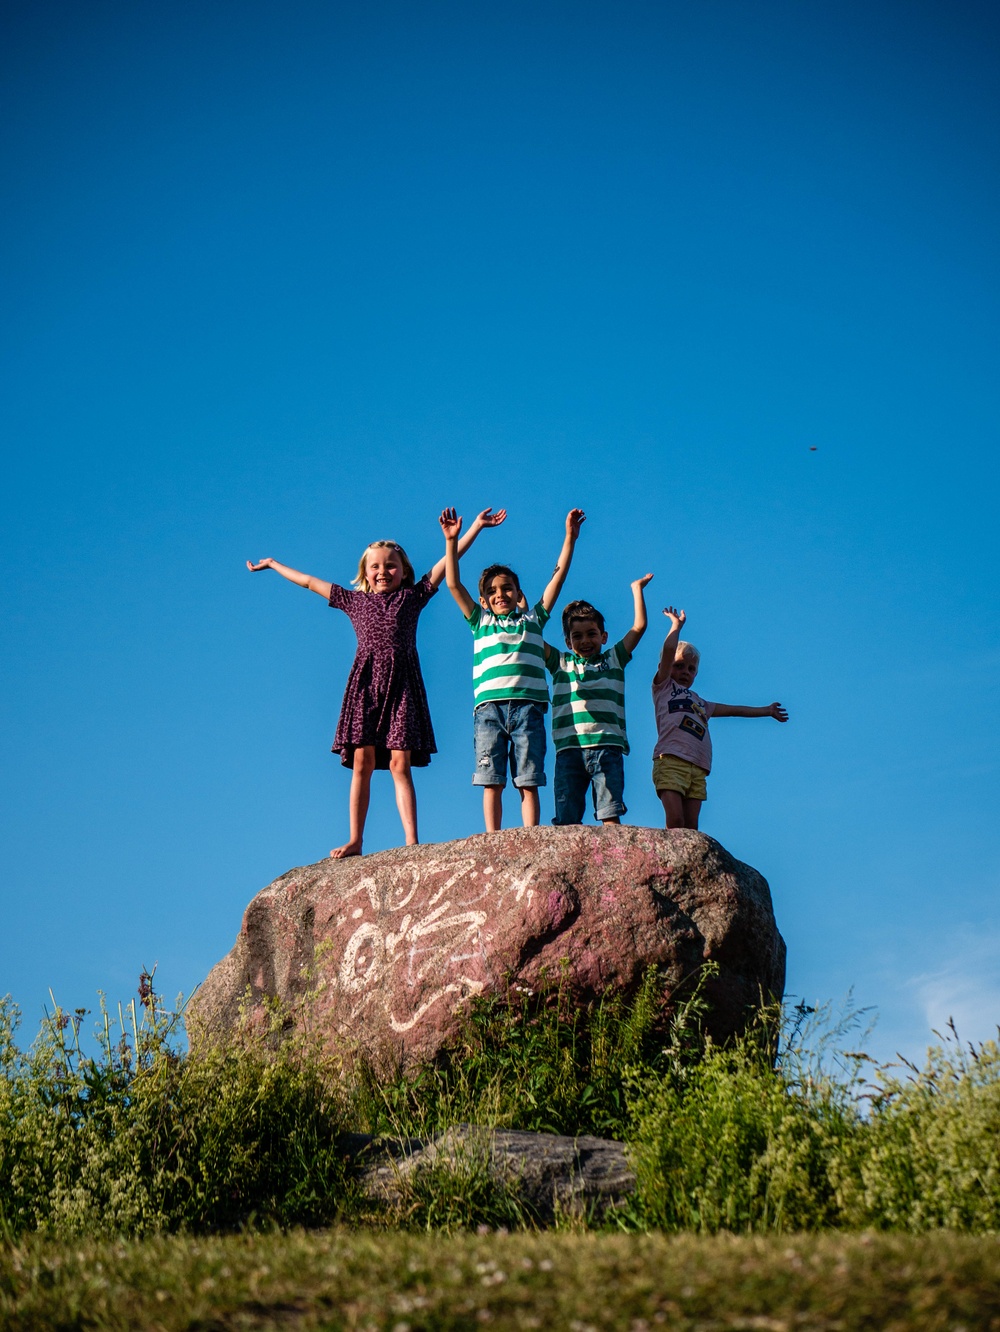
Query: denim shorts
[600, 767]
[509, 732]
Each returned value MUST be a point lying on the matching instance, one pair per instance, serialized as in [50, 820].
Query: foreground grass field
[404, 1282]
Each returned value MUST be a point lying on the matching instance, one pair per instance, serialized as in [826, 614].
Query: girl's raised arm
[299, 579]
[485, 519]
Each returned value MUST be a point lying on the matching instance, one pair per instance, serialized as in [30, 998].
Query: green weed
[144, 1139]
[535, 1062]
[779, 1131]
[736, 1141]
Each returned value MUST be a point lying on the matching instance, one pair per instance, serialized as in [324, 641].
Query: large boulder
[390, 947]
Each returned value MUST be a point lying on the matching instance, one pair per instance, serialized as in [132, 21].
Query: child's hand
[639, 583]
[573, 520]
[522, 601]
[451, 524]
[677, 617]
[490, 519]
[777, 712]
[264, 564]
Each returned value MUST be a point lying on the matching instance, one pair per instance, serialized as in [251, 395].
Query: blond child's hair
[687, 650]
[361, 582]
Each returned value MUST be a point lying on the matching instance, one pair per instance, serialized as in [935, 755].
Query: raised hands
[551, 594]
[677, 618]
[451, 523]
[264, 564]
[574, 519]
[488, 518]
[777, 712]
[638, 586]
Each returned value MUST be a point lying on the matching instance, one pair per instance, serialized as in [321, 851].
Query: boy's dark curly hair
[489, 573]
[581, 610]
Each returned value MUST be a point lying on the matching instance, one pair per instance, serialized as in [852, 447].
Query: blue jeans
[601, 767]
[509, 732]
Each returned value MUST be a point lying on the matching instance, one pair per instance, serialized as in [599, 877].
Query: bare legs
[493, 807]
[361, 784]
[529, 805]
[406, 797]
[681, 811]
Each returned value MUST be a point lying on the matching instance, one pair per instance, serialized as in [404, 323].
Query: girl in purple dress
[384, 719]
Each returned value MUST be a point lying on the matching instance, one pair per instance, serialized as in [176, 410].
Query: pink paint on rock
[398, 943]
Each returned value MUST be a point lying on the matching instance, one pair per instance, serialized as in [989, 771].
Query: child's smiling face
[684, 669]
[501, 595]
[383, 569]
[585, 638]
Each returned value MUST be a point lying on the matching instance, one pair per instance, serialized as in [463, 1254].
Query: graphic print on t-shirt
[682, 724]
[695, 727]
[688, 704]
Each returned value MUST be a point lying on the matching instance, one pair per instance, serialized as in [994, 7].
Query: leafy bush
[930, 1154]
[144, 1139]
[771, 1133]
[729, 1142]
[736, 1141]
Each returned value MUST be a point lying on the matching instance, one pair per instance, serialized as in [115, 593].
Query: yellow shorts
[671, 773]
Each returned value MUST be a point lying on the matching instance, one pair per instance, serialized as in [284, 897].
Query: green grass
[731, 1142]
[779, 1132]
[531, 1062]
[143, 1139]
[404, 1282]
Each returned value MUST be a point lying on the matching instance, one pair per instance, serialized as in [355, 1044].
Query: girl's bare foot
[348, 849]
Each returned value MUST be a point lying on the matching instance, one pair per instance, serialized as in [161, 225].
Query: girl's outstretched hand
[778, 712]
[490, 519]
[451, 524]
[678, 616]
[264, 564]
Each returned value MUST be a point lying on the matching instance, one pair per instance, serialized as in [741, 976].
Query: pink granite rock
[394, 944]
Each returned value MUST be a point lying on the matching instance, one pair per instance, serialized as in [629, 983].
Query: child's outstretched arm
[639, 620]
[774, 710]
[551, 594]
[485, 519]
[451, 526]
[293, 576]
[668, 652]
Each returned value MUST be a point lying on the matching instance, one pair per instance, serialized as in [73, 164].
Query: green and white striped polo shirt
[508, 656]
[588, 698]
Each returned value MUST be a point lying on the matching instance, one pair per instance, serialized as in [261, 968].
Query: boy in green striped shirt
[588, 710]
[508, 673]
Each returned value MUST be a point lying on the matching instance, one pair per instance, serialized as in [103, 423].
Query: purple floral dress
[385, 703]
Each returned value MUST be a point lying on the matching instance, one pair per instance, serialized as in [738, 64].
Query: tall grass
[145, 1139]
[736, 1141]
[775, 1132]
[530, 1061]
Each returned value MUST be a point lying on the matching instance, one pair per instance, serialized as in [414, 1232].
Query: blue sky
[282, 280]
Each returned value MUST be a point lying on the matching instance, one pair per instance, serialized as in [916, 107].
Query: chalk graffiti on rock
[448, 939]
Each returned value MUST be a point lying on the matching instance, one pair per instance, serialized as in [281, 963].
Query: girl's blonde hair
[361, 582]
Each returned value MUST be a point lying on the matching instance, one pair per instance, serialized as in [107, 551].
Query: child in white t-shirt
[682, 758]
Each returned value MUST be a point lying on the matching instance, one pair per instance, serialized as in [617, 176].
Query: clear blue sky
[279, 280]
